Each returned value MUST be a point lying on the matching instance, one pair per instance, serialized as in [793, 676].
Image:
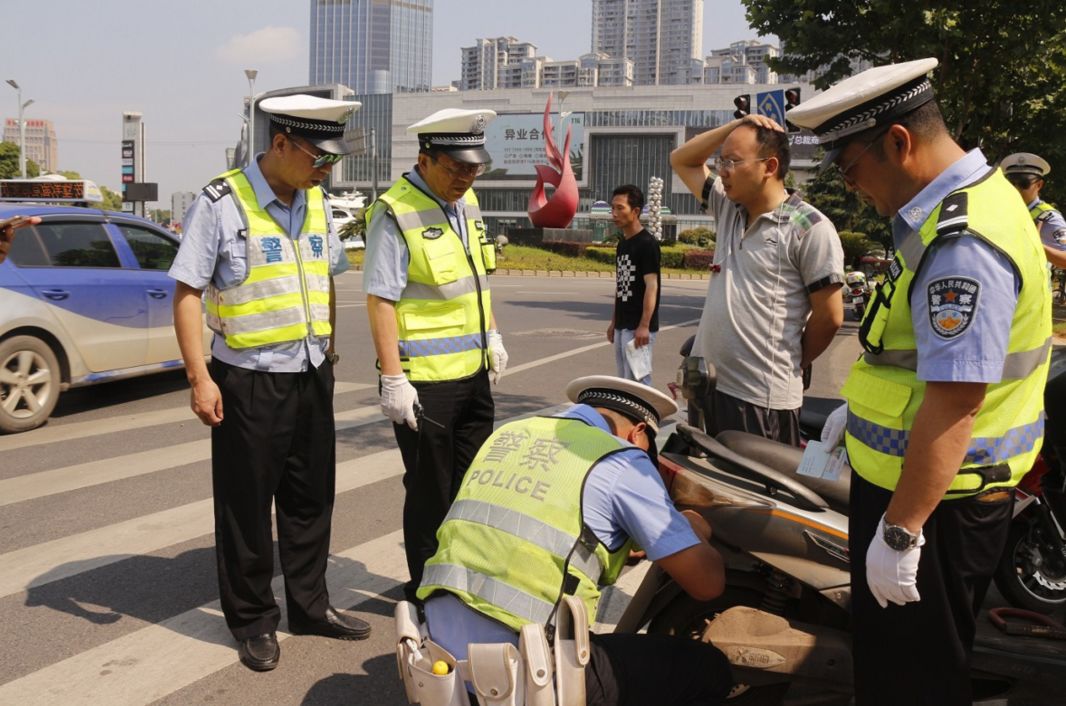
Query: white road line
[84, 475]
[160, 659]
[43, 563]
[577, 351]
[79, 430]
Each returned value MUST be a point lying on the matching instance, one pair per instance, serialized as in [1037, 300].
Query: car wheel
[29, 383]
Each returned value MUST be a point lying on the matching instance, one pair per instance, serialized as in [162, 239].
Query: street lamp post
[21, 125]
[250, 145]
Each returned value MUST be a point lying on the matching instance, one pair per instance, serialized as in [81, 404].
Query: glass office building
[372, 46]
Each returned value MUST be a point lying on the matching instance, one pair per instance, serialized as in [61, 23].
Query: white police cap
[320, 121]
[457, 132]
[1025, 163]
[632, 399]
[875, 97]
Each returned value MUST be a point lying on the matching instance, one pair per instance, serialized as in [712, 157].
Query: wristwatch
[898, 538]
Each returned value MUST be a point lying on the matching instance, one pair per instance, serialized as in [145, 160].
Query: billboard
[516, 144]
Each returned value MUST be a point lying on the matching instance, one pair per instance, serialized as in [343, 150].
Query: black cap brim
[334, 145]
[467, 155]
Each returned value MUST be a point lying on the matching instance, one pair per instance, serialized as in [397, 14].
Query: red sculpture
[559, 210]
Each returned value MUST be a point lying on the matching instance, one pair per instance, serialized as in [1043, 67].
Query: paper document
[819, 462]
[639, 359]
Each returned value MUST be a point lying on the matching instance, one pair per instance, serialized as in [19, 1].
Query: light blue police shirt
[212, 252]
[386, 257]
[977, 352]
[623, 497]
[1052, 227]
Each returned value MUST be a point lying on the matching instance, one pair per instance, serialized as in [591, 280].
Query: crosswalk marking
[80, 430]
[67, 556]
[160, 659]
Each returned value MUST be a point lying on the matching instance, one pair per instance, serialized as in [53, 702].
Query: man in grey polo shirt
[773, 301]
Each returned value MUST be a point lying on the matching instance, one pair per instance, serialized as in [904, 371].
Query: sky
[181, 64]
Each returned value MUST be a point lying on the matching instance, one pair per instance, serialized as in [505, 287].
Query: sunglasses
[458, 170]
[320, 160]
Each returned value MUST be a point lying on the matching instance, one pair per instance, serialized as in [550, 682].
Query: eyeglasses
[459, 170]
[843, 171]
[722, 163]
[320, 160]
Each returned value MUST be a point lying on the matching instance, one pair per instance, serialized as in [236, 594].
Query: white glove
[892, 575]
[833, 431]
[497, 356]
[399, 399]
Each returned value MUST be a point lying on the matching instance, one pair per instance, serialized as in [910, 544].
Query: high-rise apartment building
[372, 46]
[41, 143]
[661, 37]
[506, 62]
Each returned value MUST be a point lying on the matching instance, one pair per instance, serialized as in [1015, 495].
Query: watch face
[898, 538]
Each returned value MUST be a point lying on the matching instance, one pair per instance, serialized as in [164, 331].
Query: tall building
[661, 37]
[41, 143]
[372, 46]
[506, 62]
[179, 204]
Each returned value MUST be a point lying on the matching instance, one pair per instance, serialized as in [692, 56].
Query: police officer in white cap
[945, 408]
[576, 490]
[427, 261]
[1027, 171]
[261, 242]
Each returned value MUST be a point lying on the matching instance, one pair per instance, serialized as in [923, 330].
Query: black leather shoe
[334, 624]
[261, 652]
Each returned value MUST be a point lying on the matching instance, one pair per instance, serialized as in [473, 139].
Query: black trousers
[729, 413]
[458, 417]
[639, 670]
[919, 653]
[276, 443]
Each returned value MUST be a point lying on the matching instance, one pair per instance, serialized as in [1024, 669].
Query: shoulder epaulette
[216, 189]
[953, 213]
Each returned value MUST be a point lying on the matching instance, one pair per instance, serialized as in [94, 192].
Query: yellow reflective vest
[285, 293]
[883, 391]
[514, 540]
[444, 311]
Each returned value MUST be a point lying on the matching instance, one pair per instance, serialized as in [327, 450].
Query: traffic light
[743, 104]
[792, 99]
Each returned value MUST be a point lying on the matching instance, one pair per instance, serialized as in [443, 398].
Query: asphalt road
[107, 579]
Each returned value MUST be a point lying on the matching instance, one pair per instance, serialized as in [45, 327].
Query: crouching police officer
[261, 242]
[552, 505]
[944, 410]
[1026, 171]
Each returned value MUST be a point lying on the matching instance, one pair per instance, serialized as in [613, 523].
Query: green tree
[9, 162]
[1002, 78]
[112, 199]
[160, 215]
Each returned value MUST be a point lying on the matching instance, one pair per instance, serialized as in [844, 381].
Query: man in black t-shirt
[636, 299]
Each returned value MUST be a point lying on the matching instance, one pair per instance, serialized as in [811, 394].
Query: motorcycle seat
[786, 459]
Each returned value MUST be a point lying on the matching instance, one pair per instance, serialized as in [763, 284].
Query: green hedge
[675, 255]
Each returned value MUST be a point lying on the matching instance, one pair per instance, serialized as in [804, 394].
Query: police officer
[945, 408]
[576, 491]
[427, 257]
[260, 241]
[1026, 171]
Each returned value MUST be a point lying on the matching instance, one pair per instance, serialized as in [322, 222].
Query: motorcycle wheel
[1030, 574]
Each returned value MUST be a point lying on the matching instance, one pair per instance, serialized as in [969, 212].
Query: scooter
[783, 619]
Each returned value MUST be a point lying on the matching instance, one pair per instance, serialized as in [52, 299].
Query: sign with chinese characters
[516, 143]
[49, 191]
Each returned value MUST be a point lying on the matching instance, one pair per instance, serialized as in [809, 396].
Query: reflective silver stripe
[420, 220]
[912, 248]
[529, 529]
[473, 211]
[497, 593]
[263, 289]
[1015, 366]
[464, 285]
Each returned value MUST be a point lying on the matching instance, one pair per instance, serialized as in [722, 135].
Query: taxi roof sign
[50, 190]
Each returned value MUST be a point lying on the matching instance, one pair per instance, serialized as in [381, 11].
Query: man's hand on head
[761, 121]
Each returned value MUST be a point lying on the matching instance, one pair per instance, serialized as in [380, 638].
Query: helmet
[854, 279]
